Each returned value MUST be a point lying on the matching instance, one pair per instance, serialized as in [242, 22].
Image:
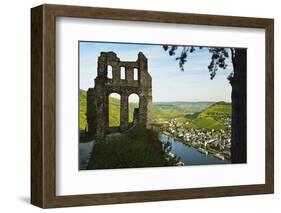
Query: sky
[169, 83]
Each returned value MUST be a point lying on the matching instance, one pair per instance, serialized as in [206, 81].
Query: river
[189, 155]
[85, 151]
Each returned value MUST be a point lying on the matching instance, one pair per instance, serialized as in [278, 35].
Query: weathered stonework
[97, 97]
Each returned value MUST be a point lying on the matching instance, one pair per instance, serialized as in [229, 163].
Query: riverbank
[143, 148]
[213, 141]
[202, 147]
[190, 155]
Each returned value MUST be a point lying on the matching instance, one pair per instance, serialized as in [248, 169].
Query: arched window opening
[133, 108]
[136, 74]
[114, 110]
[109, 72]
[122, 73]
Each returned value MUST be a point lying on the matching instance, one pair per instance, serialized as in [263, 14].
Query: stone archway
[114, 100]
[136, 79]
[133, 100]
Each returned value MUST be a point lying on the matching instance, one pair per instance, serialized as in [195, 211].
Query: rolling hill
[213, 117]
[164, 111]
[209, 115]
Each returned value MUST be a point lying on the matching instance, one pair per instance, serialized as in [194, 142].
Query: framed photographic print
[135, 106]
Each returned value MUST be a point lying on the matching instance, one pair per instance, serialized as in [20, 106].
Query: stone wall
[97, 97]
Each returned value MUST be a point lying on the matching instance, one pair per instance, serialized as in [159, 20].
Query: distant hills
[196, 114]
[163, 111]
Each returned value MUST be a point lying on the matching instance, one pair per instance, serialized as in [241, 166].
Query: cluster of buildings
[215, 141]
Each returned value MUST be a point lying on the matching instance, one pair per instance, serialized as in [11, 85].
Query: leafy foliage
[217, 61]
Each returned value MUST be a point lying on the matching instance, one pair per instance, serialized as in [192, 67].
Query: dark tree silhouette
[237, 79]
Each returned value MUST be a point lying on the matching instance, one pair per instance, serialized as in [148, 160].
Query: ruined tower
[98, 97]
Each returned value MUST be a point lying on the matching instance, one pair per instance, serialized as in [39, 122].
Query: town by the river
[189, 147]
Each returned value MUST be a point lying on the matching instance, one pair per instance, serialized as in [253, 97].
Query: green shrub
[137, 148]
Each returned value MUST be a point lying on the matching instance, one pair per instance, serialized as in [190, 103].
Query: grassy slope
[221, 107]
[208, 117]
[135, 149]
[83, 107]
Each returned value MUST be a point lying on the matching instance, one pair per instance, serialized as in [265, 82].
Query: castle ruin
[125, 85]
